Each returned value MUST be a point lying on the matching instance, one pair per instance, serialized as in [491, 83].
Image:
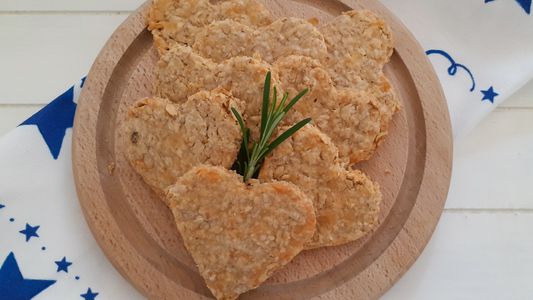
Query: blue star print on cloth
[526, 4]
[30, 231]
[489, 95]
[54, 119]
[452, 70]
[52, 123]
[63, 265]
[89, 295]
[14, 287]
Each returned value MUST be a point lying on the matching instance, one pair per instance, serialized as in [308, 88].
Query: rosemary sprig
[249, 162]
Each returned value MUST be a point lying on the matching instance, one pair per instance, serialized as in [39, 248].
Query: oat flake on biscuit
[346, 202]
[164, 140]
[239, 234]
[178, 21]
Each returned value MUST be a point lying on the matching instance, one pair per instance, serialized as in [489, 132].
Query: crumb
[111, 168]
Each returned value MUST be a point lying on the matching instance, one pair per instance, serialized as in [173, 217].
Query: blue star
[526, 4]
[2, 206]
[30, 231]
[489, 95]
[54, 119]
[63, 265]
[14, 287]
[90, 295]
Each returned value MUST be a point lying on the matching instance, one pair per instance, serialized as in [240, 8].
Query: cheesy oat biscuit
[178, 21]
[288, 36]
[164, 140]
[351, 118]
[359, 45]
[239, 234]
[181, 73]
[346, 202]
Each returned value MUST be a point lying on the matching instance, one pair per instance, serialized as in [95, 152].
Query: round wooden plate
[137, 232]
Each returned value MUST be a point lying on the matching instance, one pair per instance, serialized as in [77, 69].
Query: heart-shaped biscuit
[359, 45]
[289, 36]
[164, 140]
[239, 234]
[178, 21]
[346, 202]
[353, 119]
[181, 73]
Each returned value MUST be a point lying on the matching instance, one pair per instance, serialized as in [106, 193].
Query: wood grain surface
[137, 232]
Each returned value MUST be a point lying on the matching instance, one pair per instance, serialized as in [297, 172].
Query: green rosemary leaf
[273, 107]
[244, 131]
[300, 95]
[266, 100]
[286, 135]
[272, 126]
[280, 107]
[256, 173]
[247, 141]
[263, 152]
[242, 157]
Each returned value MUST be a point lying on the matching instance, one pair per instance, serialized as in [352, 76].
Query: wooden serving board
[137, 233]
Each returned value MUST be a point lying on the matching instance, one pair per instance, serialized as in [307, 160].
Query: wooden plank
[44, 55]
[493, 165]
[12, 116]
[473, 256]
[68, 5]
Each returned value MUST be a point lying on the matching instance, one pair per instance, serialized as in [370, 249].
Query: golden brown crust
[178, 21]
[359, 45]
[223, 40]
[239, 234]
[164, 140]
[346, 202]
[351, 118]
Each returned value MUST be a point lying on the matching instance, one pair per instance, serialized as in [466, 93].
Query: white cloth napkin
[46, 248]
[482, 51]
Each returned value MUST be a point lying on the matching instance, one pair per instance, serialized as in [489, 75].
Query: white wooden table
[483, 245]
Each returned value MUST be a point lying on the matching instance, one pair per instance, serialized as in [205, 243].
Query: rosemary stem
[269, 121]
